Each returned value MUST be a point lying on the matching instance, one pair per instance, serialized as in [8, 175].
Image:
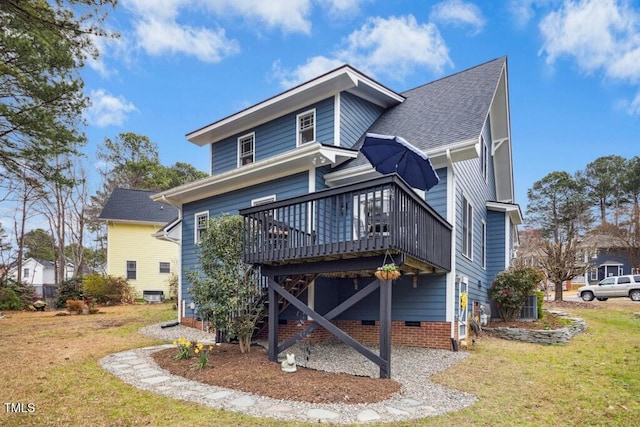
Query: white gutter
[179, 266]
[451, 218]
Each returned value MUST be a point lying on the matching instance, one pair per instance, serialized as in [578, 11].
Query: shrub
[511, 289]
[15, 295]
[540, 296]
[9, 300]
[75, 306]
[107, 289]
[70, 290]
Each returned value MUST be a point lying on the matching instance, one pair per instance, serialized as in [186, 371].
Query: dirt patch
[254, 373]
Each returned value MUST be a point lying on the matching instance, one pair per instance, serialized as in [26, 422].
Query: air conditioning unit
[153, 296]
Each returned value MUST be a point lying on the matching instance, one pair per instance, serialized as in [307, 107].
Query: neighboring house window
[484, 157]
[620, 271]
[201, 220]
[25, 273]
[246, 149]
[467, 228]
[484, 245]
[635, 271]
[306, 125]
[165, 267]
[593, 275]
[131, 270]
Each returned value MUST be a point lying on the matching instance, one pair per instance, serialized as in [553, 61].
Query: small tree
[511, 289]
[226, 289]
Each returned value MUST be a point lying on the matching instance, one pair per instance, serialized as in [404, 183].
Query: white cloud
[314, 67]
[523, 11]
[341, 8]
[631, 108]
[395, 47]
[392, 47]
[458, 13]
[601, 36]
[290, 16]
[158, 31]
[107, 109]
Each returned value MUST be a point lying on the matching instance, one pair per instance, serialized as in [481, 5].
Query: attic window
[246, 149]
[306, 126]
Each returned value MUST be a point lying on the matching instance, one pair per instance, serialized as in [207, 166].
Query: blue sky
[574, 66]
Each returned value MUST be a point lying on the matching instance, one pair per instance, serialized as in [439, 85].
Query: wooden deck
[352, 222]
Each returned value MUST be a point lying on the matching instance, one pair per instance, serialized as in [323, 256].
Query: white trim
[507, 242]
[196, 216]
[337, 105]
[341, 79]
[286, 164]
[263, 200]
[483, 231]
[451, 276]
[469, 238]
[510, 208]
[312, 112]
[251, 135]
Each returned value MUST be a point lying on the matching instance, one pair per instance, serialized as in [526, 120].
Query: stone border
[540, 336]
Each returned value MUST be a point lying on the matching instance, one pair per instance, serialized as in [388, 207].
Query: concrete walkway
[137, 367]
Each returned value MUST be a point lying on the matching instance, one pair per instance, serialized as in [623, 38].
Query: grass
[52, 363]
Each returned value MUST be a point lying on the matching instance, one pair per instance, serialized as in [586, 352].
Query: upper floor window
[467, 228]
[25, 273]
[246, 149]
[201, 220]
[306, 127]
[131, 270]
[165, 267]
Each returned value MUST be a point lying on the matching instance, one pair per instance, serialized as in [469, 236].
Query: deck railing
[365, 218]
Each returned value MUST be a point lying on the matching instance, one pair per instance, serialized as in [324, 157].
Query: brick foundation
[427, 335]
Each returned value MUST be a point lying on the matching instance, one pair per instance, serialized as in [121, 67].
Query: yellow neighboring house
[134, 252]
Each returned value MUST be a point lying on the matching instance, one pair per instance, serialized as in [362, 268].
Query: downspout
[179, 243]
[451, 217]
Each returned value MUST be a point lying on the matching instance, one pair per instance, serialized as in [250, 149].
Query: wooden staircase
[295, 285]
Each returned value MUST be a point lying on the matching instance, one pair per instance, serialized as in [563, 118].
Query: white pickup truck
[612, 287]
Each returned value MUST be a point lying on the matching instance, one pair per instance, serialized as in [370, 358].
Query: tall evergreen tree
[43, 45]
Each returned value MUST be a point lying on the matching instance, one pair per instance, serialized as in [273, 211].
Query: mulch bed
[254, 373]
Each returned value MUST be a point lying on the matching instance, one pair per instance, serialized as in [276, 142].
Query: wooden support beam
[385, 328]
[273, 323]
[333, 266]
[349, 302]
[339, 333]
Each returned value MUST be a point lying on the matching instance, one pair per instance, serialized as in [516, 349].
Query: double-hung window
[467, 228]
[306, 127]
[200, 225]
[131, 270]
[246, 149]
[165, 267]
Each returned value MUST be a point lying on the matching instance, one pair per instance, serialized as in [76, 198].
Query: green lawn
[52, 363]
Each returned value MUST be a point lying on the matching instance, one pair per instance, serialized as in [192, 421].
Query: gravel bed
[411, 367]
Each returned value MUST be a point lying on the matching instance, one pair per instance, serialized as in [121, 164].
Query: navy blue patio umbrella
[392, 154]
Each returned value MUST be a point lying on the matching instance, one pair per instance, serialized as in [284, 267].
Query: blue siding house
[322, 219]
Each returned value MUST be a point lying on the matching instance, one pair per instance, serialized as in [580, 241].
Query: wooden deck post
[273, 325]
[385, 328]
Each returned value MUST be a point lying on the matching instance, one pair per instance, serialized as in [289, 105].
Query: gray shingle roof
[443, 112]
[136, 205]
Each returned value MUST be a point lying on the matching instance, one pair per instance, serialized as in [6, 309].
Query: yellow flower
[175, 343]
[196, 351]
[188, 344]
[200, 346]
[210, 347]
